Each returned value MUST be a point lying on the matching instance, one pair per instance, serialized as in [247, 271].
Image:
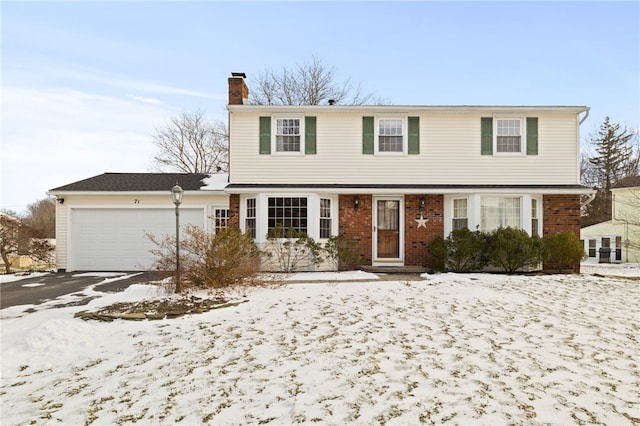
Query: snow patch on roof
[215, 182]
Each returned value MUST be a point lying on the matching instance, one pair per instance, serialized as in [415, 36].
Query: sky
[86, 84]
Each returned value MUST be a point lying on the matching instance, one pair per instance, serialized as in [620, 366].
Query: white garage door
[114, 239]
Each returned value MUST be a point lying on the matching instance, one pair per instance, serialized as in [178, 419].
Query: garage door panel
[115, 239]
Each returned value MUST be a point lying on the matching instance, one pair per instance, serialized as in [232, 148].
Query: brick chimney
[238, 90]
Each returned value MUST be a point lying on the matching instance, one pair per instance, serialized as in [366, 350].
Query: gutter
[585, 116]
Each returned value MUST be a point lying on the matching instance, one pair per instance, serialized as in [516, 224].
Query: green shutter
[414, 135]
[367, 135]
[265, 135]
[486, 135]
[532, 135]
[309, 135]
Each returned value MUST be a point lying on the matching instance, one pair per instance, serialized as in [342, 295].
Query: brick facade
[417, 237]
[561, 213]
[356, 224]
[234, 210]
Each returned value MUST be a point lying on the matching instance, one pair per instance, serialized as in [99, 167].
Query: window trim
[453, 212]
[523, 134]
[405, 134]
[274, 134]
[213, 218]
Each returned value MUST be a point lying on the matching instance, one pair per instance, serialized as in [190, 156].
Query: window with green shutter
[509, 135]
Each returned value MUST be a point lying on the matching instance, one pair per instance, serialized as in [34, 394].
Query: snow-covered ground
[451, 349]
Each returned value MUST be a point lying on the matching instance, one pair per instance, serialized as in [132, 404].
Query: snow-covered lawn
[451, 349]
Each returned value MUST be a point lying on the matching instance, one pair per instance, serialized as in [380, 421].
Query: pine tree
[615, 160]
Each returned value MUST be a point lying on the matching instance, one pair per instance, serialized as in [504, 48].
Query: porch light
[421, 204]
[356, 203]
[176, 194]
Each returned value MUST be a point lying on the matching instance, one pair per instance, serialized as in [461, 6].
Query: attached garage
[115, 239]
[102, 221]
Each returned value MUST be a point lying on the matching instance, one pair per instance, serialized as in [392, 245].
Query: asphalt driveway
[36, 290]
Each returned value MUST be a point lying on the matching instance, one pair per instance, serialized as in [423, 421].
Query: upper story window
[509, 135]
[288, 135]
[390, 135]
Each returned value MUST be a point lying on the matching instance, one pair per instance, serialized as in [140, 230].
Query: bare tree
[16, 237]
[310, 83]
[189, 143]
[41, 217]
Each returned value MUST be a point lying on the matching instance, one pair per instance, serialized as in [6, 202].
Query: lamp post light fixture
[176, 194]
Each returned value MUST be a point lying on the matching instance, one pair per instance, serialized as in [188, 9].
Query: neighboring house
[101, 222]
[618, 239]
[394, 177]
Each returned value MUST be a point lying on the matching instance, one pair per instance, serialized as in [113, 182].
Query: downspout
[592, 196]
[585, 116]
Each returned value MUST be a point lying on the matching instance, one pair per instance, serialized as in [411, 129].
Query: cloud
[145, 100]
[52, 137]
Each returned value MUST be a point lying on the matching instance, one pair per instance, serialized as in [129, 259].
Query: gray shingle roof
[137, 182]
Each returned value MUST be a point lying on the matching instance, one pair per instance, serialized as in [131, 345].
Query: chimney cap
[238, 74]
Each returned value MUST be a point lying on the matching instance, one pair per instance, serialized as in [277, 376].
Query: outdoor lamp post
[176, 194]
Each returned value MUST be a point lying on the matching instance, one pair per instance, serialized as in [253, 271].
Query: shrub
[462, 251]
[512, 249]
[437, 250]
[342, 251]
[229, 258]
[465, 250]
[562, 251]
[290, 247]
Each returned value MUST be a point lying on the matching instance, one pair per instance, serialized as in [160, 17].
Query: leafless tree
[189, 143]
[16, 237]
[41, 217]
[309, 83]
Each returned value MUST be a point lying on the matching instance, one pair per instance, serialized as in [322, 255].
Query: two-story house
[393, 177]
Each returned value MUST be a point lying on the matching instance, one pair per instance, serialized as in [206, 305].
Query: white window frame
[453, 211]
[405, 130]
[523, 133]
[313, 213]
[503, 197]
[212, 216]
[274, 134]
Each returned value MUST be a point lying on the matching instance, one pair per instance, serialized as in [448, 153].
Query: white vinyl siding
[449, 153]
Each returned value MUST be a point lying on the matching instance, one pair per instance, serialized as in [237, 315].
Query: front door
[387, 229]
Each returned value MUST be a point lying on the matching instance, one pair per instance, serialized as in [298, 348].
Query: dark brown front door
[388, 229]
